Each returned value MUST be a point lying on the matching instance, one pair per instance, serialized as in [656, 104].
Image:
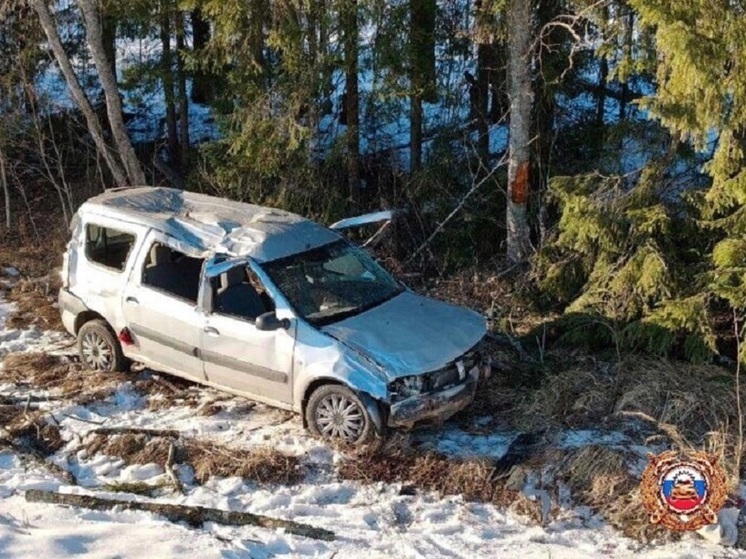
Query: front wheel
[336, 413]
[99, 348]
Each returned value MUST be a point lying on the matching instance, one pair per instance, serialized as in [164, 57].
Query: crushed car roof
[213, 225]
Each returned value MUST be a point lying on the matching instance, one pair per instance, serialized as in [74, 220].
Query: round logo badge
[683, 492]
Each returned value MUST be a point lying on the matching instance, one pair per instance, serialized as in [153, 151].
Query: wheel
[336, 413]
[99, 348]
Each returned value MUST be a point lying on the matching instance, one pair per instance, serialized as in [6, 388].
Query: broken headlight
[405, 387]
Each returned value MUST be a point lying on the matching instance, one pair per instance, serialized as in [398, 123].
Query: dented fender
[319, 356]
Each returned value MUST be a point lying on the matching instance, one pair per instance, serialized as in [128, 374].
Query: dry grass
[35, 294]
[599, 477]
[397, 462]
[696, 399]
[69, 380]
[30, 430]
[263, 465]
[35, 301]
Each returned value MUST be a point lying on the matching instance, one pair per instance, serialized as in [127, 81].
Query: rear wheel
[99, 348]
[336, 413]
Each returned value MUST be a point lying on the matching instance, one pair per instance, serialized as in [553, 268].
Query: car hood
[411, 334]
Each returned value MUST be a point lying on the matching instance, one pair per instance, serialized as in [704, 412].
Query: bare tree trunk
[168, 88]
[94, 35]
[415, 132]
[79, 96]
[350, 30]
[484, 24]
[521, 100]
[6, 190]
[182, 93]
[201, 85]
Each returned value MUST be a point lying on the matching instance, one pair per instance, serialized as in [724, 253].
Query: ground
[369, 519]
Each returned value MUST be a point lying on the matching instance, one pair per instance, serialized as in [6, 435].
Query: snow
[370, 520]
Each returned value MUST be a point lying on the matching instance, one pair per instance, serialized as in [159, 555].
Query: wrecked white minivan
[264, 304]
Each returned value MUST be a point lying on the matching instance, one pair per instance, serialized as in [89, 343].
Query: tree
[113, 162]
[519, 19]
[92, 15]
[351, 33]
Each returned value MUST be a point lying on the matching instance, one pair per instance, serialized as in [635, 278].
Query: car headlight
[408, 386]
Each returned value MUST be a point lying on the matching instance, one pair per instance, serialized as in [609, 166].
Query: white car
[265, 304]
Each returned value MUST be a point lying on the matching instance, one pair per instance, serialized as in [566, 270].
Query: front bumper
[437, 406]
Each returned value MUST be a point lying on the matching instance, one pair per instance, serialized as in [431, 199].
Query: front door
[235, 353]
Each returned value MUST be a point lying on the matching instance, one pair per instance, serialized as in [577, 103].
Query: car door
[236, 354]
[100, 259]
[165, 322]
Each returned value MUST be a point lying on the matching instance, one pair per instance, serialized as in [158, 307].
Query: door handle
[210, 331]
[132, 300]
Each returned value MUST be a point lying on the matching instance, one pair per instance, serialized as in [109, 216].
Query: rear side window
[108, 247]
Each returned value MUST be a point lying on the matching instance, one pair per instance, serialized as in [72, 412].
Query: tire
[327, 409]
[99, 348]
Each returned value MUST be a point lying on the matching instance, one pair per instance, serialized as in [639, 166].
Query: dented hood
[411, 334]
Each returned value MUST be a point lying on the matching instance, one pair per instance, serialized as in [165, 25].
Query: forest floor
[496, 481]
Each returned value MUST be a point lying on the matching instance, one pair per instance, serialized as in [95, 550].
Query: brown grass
[50, 372]
[263, 465]
[599, 477]
[397, 462]
[35, 293]
[35, 303]
[30, 430]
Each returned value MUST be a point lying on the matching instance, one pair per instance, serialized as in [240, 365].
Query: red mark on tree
[519, 186]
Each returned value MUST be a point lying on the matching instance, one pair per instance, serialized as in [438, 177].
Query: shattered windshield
[332, 282]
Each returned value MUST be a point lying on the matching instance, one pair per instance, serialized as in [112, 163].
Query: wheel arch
[87, 316]
[371, 404]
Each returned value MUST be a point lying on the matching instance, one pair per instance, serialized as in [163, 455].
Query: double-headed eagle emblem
[683, 492]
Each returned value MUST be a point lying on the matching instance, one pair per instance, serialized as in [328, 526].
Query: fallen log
[109, 431]
[193, 515]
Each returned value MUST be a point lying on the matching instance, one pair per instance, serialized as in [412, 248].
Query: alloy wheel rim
[339, 417]
[97, 352]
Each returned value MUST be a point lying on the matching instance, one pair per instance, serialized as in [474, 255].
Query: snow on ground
[370, 521]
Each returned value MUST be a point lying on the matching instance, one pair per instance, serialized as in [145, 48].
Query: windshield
[332, 282]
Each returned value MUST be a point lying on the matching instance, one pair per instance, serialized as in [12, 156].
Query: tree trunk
[415, 133]
[168, 88]
[485, 62]
[519, 17]
[6, 191]
[81, 100]
[422, 72]
[201, 83]
[94, 35]
[182, 91]
[352, 101]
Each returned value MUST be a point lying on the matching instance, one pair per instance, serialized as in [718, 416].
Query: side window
[172, 272]
[108, 247]
[238, 292]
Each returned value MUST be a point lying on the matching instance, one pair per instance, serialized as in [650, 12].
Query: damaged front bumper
[436, 406]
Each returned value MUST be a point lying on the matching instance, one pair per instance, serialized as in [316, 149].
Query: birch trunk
[94, 36]
[521, 100]
[350, 30]
[78, 95]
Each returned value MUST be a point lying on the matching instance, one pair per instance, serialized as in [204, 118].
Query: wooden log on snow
[193, 515]
[109, 431]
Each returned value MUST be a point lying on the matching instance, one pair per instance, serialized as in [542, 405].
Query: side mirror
[269, 321]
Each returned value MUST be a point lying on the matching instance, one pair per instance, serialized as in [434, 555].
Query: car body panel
[411, 334]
